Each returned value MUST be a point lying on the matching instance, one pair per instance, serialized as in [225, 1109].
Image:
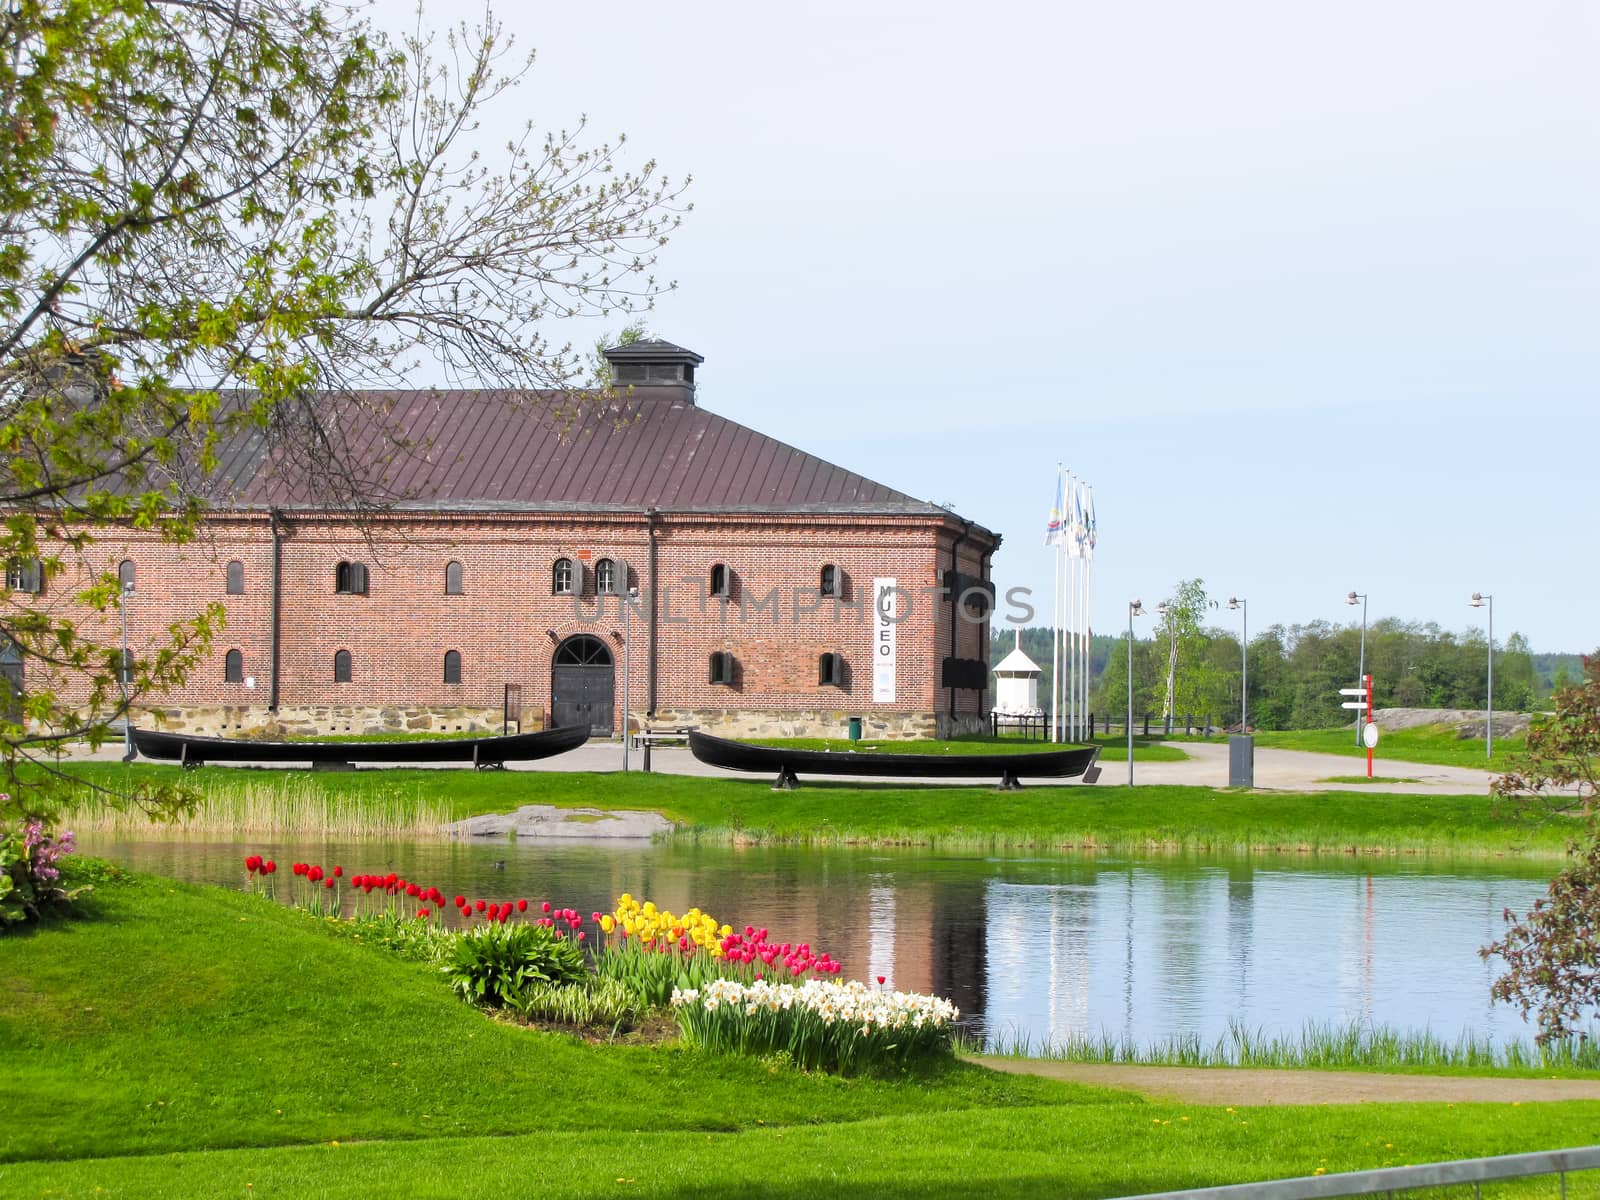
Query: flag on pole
[1089, 522]
[1075, 524]
[1055, 530]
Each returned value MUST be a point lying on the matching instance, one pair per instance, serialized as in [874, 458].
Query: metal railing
[1461, 1172]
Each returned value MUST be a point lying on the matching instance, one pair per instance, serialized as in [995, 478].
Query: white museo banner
[884, 617]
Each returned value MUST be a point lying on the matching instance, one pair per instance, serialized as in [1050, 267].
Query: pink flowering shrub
[30, 871]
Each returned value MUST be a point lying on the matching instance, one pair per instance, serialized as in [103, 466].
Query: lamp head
[1135, 608]
[1352, 598]
[1234, 602]
[1163, 609]
[1477, 600]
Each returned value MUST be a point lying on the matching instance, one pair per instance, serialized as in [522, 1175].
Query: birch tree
[223, 216]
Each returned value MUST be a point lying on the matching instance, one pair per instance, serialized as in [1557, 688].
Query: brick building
[531, 541]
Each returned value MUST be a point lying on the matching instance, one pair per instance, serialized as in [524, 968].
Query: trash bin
[855, 729]
[1241, 761]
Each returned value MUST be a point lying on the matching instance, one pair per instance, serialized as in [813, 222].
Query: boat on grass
[788, 764]
[193, 751]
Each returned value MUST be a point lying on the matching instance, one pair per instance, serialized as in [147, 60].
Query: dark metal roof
[530, 451]
[652, 349]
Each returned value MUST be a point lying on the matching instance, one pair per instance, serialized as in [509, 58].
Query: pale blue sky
[1309, 293]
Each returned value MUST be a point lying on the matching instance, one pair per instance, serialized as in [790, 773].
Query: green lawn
[1429, 744]
[186, 1041]
[1193, 818]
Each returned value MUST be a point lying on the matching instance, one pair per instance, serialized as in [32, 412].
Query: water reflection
[1043, 949]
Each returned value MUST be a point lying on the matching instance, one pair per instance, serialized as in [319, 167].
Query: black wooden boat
[193, 751]
[787, 763]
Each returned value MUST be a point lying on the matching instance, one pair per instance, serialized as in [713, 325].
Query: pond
[1045, 949]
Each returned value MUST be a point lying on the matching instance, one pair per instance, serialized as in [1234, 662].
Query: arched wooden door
[583, 685]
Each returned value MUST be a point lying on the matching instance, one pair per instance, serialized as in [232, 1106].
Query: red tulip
[299, 868]
[480, 906]
[328, 883]
[880, 980]
[595, 917]
[582, 936]
[545, 907]
[391, 878]
[413, 891]
[252, 863]
[461, 901]
[338, 871]
[522, 906]
[421, 913]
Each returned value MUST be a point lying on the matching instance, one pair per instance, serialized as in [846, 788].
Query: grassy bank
[1432, 745]
[1169, 817]
[221, 1045]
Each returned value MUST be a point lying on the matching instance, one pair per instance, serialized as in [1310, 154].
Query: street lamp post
[122, 674]
[1478, 601]
[1244, 663]
[1163, 610]
[1135, 609]
[627, 672]
[1361, 668]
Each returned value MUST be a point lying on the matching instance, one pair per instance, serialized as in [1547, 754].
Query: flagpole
[1071, 653]
[1055, 627]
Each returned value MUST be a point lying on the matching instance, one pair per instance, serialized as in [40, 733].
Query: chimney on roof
[651, 362]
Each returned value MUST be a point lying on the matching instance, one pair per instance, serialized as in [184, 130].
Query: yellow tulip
[607, 924]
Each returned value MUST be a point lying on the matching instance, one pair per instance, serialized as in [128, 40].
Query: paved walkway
[1247, 1087]
[1205, 766]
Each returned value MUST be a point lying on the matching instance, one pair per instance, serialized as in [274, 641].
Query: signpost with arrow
[1369, 731]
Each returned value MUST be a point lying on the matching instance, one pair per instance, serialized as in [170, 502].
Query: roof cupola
[651, 362]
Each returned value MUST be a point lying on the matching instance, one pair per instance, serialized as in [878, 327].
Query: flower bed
[819, 1024]
[731, 991]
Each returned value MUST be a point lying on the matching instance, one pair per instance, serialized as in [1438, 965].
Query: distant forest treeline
[1296, 671]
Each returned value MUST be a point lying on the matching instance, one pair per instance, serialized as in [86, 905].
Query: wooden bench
[660, 735]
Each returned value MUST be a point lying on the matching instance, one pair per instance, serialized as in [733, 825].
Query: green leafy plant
[595, 1002]
[418, 940]
[490, 963]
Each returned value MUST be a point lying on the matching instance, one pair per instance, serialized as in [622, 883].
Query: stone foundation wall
[962, 723]
[777, 723]
[256, 720]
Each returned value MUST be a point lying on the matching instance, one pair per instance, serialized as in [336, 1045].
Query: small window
[350, 579]
[452, 666]
[452, 579]
[236, 578]
[561, 577]
[341, 667]
[831, 670]
[233, 667]
[605, 578]
[722, 667]
[830, 581]
[720, 581]
[25, 575]
[125, 574]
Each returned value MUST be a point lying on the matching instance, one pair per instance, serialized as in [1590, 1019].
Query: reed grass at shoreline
[291, 806]
[1351, 1047]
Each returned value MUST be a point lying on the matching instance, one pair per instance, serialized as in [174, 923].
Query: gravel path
[1249, 1087]
[1206, 765]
